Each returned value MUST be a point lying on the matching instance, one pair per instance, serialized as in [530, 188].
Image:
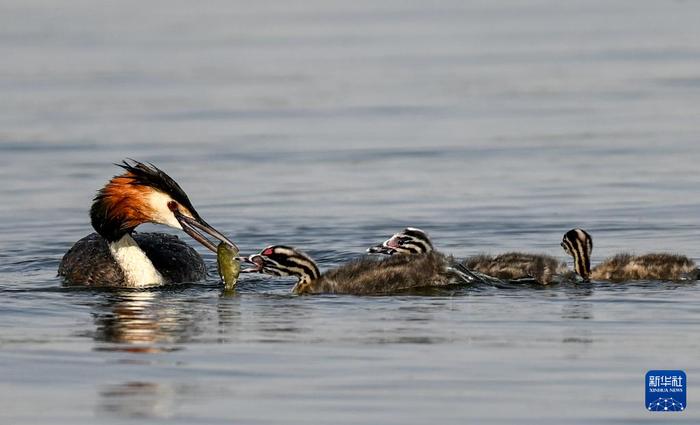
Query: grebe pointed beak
[380, 249]
[191, 226]
[256, 260]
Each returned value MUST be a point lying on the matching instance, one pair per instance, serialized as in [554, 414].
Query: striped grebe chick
[625, 266]
[117, 256]
[364, 276]
[512, 266]
[519, 267]
[410, 240]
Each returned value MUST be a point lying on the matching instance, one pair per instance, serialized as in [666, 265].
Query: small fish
[229, 266]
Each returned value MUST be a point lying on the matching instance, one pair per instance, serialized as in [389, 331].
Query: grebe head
[579, 244]
[280, 260]
[145, 194]
[409, 241]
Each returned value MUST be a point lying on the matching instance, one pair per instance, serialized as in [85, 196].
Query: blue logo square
[665, 390]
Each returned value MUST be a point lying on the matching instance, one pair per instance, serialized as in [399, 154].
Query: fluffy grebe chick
[512, 266]
[625, 267]
[364, 276]
[411, 240]
[519, 267]
[117, 256]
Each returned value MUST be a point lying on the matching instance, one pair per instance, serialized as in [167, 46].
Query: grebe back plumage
[117, 256]
[518, 266]
[625, 266]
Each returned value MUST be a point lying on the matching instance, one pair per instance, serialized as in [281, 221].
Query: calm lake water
[329, 126]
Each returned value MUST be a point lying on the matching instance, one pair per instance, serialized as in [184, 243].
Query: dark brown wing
[393, 274]
[515, 266]
[89, 262]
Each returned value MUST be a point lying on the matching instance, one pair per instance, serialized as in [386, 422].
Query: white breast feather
[138, 269]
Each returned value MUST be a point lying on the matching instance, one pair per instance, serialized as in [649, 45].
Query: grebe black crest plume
[117, 256]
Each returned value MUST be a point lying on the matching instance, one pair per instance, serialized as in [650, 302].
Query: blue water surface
[330, 125]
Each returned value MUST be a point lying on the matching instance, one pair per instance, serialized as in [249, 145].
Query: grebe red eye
[172, 206]
[267, 252]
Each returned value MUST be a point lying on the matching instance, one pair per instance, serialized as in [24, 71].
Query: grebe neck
[137, 267]
[304, 284]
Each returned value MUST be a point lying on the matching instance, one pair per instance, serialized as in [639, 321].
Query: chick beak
[256, 260]
[387, 247]
[380, 249]
[192, 227]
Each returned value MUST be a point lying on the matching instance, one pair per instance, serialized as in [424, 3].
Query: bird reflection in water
[137, 400]
[142, 322]
[142, 399]
[578, 313]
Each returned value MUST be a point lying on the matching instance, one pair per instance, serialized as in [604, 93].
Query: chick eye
[172, 206]
[267, 252]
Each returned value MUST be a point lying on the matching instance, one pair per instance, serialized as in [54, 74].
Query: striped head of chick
[579, 245]
[410, 240]
[281, 260]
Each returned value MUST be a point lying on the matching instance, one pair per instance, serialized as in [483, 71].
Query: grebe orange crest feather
[125, 201]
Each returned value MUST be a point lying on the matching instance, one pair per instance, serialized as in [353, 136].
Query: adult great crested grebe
[117, 256]
[364, 276]
[626, 267]
[512, 266]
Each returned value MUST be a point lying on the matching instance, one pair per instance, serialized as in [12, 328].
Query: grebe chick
[410, 240]
[117, 256]
[364, 276]
[512, 266]
[519, 267]
[625, 267]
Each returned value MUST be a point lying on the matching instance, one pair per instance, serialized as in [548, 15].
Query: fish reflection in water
[268, 318]
[143, 322]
